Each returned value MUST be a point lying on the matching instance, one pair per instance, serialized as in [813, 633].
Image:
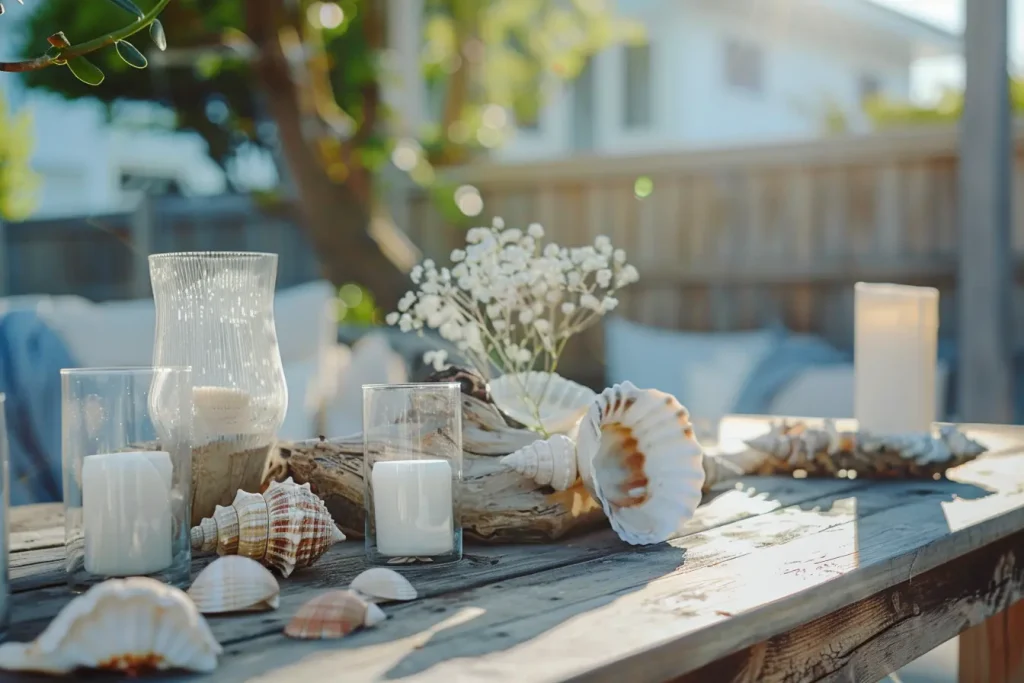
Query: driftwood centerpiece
[497, 504]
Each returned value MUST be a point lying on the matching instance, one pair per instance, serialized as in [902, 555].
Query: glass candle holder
[215, 314]
[127, 463]
[412, 473]
[5, 582]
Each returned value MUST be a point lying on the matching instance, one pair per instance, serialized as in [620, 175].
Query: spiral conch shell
[129, 625]
[550, 462]
[286, 527]
[637, 454]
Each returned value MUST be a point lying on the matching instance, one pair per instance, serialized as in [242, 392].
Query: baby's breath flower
[511, 300]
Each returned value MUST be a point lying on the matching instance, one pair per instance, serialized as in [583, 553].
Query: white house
[730, 72]
[89, 166]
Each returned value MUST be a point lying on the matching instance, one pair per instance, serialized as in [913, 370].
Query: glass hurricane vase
[215, 313]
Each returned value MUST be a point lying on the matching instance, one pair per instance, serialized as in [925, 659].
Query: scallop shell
[380, 583]
[285, 527]
[333, 614]
[562, 402]
[549, 462]
[637, 454]
[129, 625]
[235, 584]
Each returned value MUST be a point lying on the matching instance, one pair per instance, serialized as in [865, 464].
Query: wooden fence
[105, 257]
[735, 239]
[725, 240]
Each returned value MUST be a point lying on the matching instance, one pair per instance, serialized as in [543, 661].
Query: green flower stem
[91, 46]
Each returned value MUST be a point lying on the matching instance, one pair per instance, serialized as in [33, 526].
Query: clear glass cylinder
[126, 437]
[215, 313]
[5, 527]
[412, 472]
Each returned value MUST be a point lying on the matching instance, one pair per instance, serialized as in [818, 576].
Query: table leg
[993, 651]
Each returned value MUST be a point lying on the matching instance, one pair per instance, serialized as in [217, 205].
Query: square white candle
[412, 505]
[895, 353]
[126, 511]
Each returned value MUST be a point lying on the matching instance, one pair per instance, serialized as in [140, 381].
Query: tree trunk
[336, 214]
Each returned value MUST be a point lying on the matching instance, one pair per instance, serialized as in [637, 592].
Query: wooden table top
[776, 579]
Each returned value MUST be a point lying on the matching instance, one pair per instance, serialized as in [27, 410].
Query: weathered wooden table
[775, 580]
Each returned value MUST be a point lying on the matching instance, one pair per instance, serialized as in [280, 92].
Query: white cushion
[827, 391]
[372, 361]
[705, 371]
[303, 400]
[119, 333]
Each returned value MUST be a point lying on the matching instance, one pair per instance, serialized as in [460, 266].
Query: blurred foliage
[887, 113]
[504, 55]
[356, 306]
[19, 184]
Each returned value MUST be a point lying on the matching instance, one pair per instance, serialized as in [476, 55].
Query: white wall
[693, 105]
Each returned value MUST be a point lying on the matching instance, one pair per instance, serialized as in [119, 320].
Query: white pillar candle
[895, 352]
[126, 511]
[412, 506]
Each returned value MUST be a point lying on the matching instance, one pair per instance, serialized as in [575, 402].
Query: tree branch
[93, 45]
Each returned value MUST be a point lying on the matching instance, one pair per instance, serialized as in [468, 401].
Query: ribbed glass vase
[215, 313]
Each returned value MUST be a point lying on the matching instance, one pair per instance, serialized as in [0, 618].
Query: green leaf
[85, 71]
[156, 32]
[130, 54]
[129, 6]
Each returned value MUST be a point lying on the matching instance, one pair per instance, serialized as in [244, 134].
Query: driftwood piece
[497, 504]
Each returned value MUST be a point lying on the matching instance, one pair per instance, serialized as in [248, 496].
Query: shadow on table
[492, 617]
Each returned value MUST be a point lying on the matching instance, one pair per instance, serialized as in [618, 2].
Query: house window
[637, 91]
[744, 66]
[868, 87]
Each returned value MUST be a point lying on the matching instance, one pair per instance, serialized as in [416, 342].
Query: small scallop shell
[380, 583]
[549, 462]
[129, 625]
[333, 614]
[235, 584]
[638, 455]
[562, 402]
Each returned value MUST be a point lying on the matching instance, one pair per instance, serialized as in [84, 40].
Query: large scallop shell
[129, 625]
[234, 583]
[285, 527]
[551, 462]
[380, 583]
[562, 402]
[333, 614]
[637, 454]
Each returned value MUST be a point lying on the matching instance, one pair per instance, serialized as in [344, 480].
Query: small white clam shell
[638, 456]
[234, 583]
[562, 402]
[551, 462]
[131, 625]
[380, 583]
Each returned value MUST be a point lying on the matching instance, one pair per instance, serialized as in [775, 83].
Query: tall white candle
[412, 506]
[895, 352]
[126, 511]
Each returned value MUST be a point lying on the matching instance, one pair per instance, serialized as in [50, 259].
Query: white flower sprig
[511, 302]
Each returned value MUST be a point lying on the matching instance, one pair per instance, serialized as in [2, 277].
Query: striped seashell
[380, 583]
[637, 454]
[235, 584]
[333, 614]
[286, 527]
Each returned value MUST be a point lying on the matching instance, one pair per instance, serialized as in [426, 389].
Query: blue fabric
[31, 357]
[790, 357]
